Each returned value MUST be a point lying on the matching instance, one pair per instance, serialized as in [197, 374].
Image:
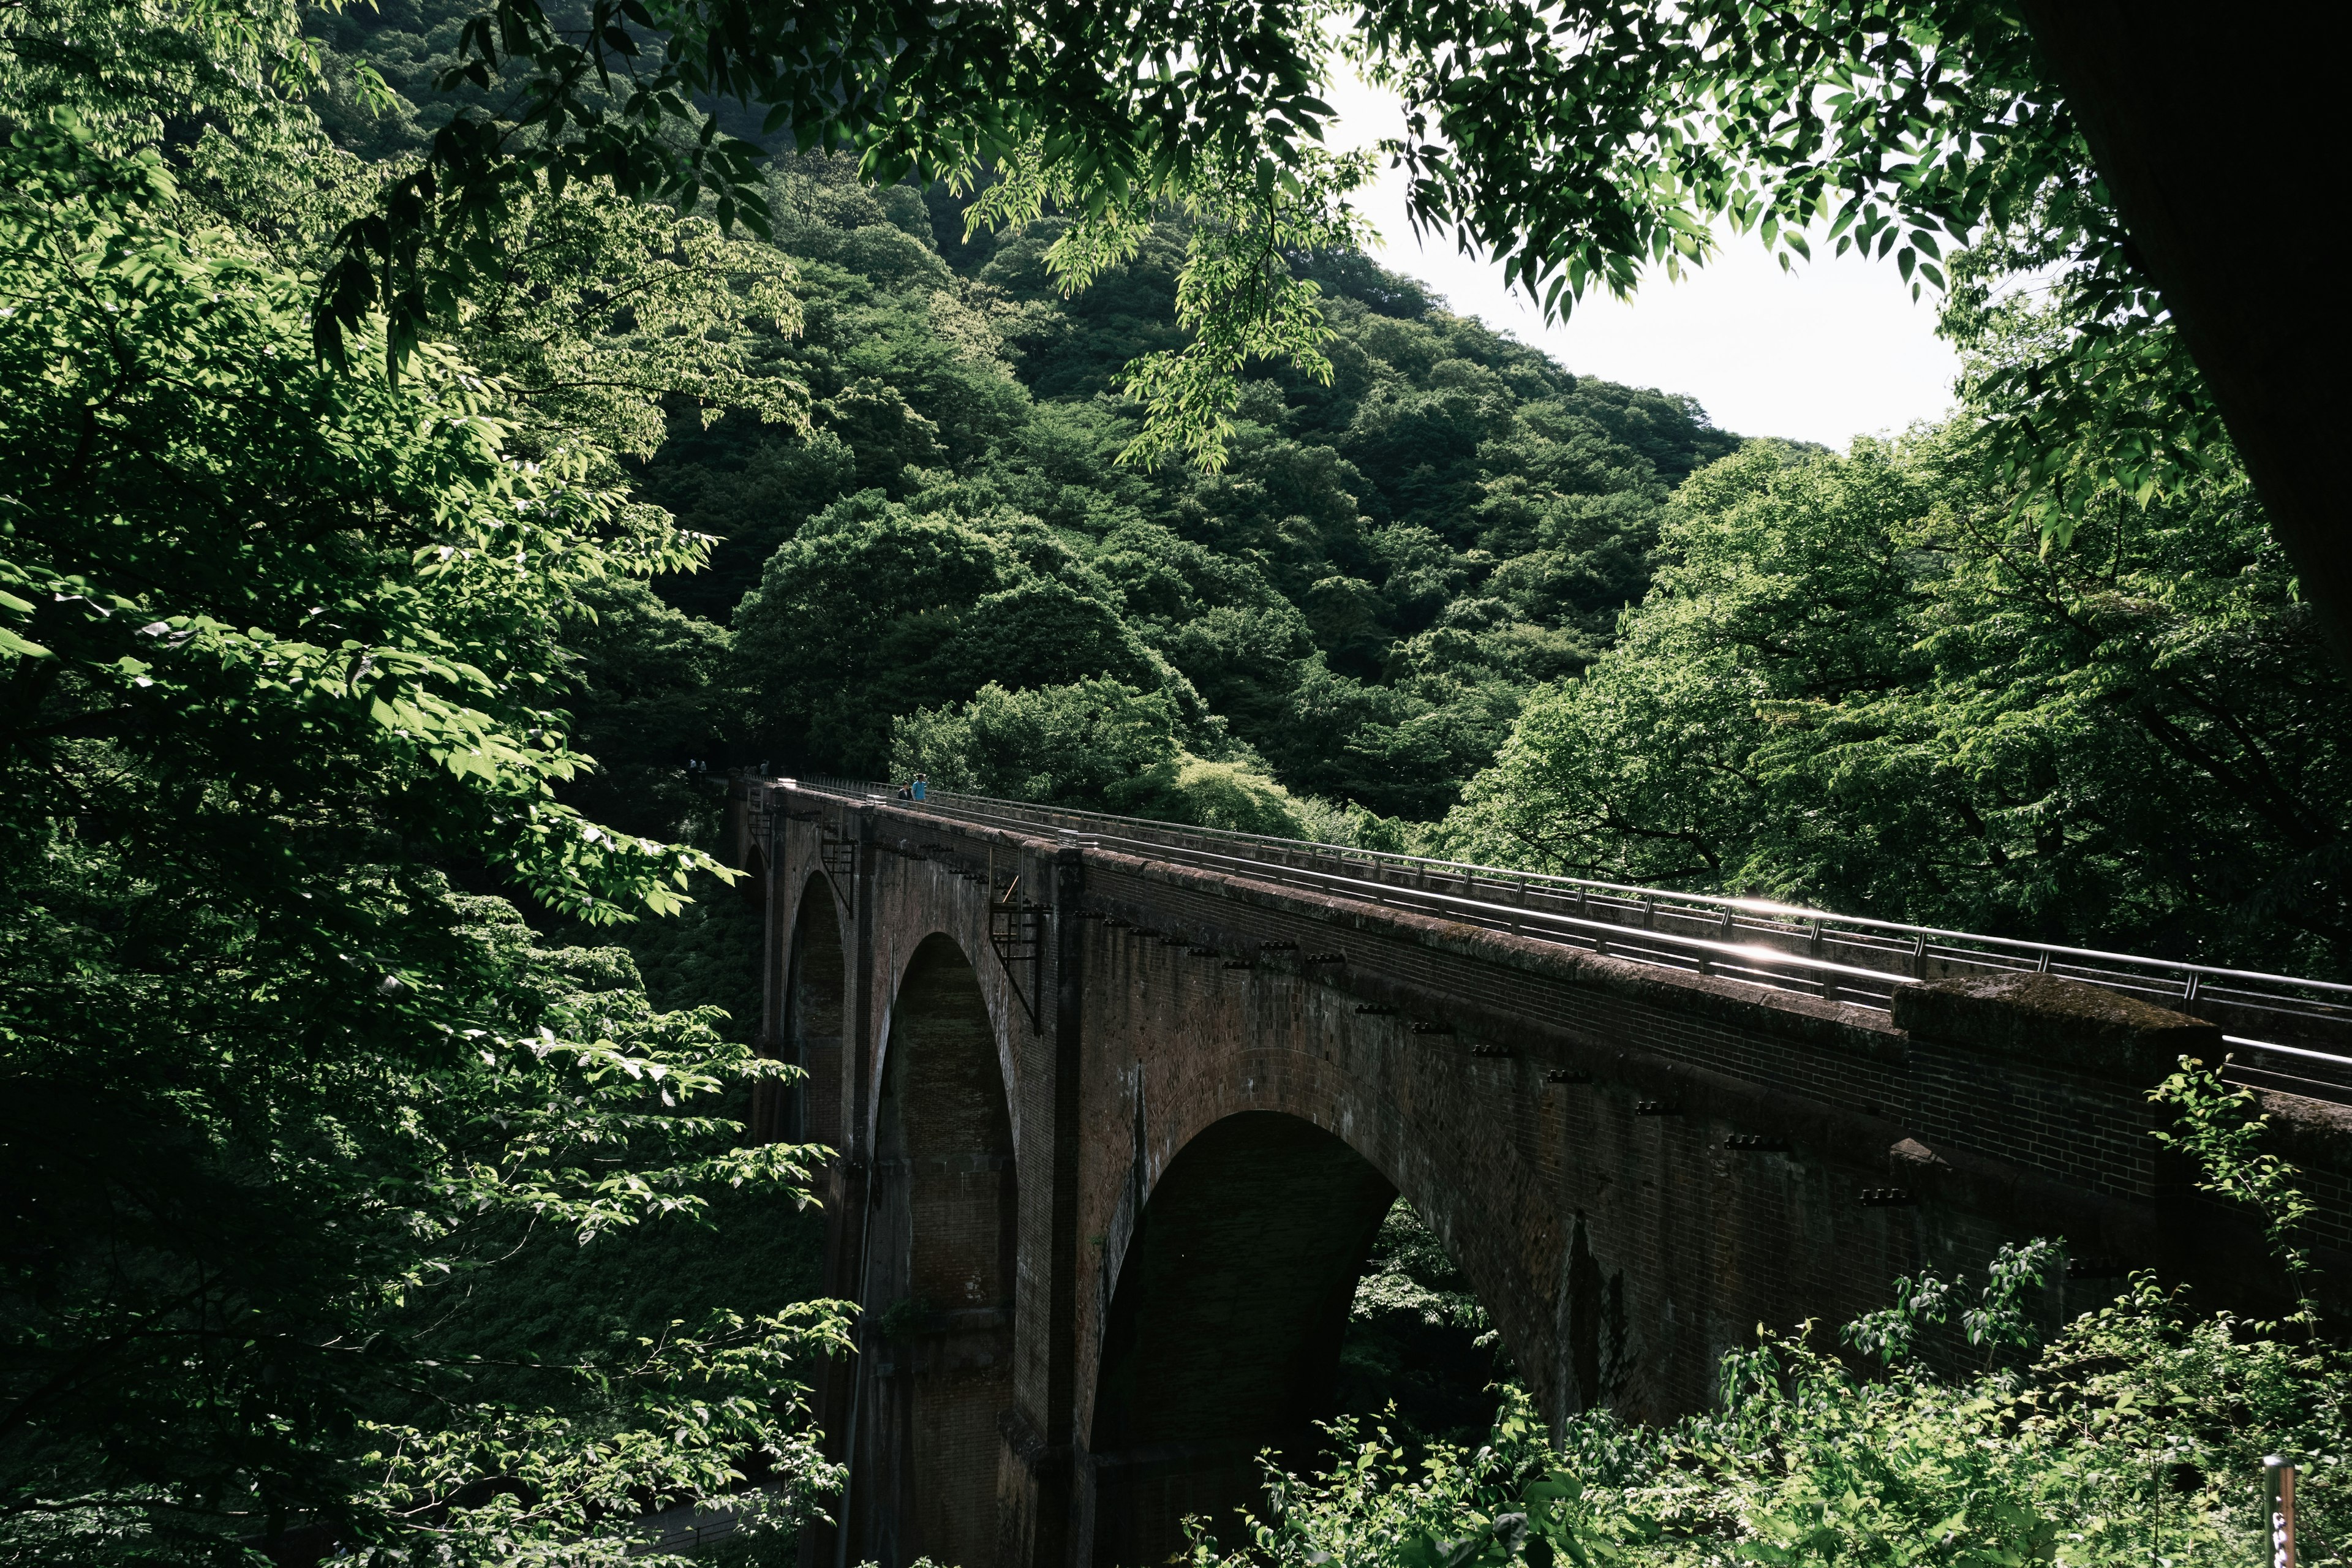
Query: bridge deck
[2285, 1032]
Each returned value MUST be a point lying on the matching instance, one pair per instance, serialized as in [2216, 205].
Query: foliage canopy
[1579, 142]
[282, 647]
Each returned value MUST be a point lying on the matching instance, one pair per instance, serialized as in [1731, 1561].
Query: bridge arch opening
[1421, 1356]
[816, 994]
[1225, 1326]
[939, 1286]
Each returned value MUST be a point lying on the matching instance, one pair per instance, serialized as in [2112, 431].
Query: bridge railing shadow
[2285, 1031]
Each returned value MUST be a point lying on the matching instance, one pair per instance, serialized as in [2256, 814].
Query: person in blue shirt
[917, 786]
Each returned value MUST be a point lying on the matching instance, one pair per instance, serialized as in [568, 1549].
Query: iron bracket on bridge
[838, 855]
[1017, 932]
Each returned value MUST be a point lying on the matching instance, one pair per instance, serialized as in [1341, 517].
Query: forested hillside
[1357, 605]
[1361, 599]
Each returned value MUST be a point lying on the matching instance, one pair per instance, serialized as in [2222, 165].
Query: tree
[1063, 745]
[279, 651]
[653, 705]
[1102, 745]
[874, 610]
[1859, 683]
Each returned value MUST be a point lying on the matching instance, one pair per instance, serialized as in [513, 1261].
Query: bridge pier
[1114, 1135]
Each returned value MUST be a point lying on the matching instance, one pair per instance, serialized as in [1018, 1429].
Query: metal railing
[2283, 1032]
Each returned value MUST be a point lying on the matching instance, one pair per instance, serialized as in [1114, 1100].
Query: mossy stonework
[1116, 1135]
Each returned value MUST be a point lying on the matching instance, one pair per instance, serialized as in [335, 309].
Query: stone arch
[816, 997]
[938, 1287]
[1224, 1325]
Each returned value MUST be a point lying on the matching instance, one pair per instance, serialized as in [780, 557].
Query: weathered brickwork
[1114, 1135]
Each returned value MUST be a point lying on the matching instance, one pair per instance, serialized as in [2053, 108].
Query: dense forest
[366, 723]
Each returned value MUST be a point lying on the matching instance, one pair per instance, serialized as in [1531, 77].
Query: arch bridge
[1118, 1107]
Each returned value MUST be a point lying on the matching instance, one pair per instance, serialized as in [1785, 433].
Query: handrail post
[2278, 1510]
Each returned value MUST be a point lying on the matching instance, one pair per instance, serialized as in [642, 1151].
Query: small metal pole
[2278, 1498]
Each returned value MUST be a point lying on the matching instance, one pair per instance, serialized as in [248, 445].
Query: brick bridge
[1118, 1107]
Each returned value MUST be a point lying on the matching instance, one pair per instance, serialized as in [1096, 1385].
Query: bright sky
[1835, 349]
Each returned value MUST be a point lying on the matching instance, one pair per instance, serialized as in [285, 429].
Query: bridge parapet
[2283, 1032]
